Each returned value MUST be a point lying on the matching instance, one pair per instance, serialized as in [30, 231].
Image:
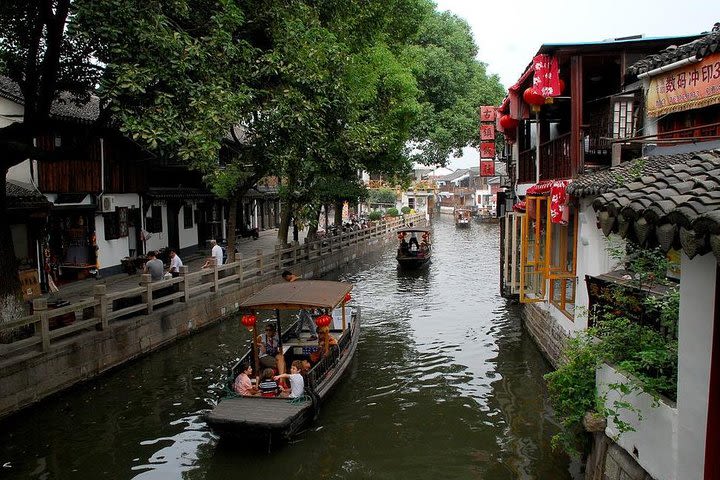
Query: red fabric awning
[540, 188]
[520, 206]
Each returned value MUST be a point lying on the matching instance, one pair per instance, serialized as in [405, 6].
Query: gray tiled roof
[701, 47]
[24, 197]
[602, 181]
[66, 106]
[676, 206]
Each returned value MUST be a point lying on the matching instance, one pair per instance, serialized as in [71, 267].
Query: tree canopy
[309, 91]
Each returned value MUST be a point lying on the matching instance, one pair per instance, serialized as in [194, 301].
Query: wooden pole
[343, 315]
[256, 357]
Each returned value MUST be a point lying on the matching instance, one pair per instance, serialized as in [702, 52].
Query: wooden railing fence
[103, 307]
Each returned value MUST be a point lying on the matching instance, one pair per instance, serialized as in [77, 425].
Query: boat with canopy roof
[462, 217]
[263, 418]
[415, 247]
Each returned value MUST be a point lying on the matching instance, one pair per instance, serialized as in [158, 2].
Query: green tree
[42, 55]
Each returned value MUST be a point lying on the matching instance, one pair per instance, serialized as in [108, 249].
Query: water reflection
[445, 384]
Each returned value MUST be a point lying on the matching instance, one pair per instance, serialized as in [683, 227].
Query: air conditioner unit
[107, 203]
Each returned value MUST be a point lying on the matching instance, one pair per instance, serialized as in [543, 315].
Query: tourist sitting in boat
[322, 351]
[414, 241]
[243, 385]
[268, 386]
[404, 246]
[297, 382]
[269, 349]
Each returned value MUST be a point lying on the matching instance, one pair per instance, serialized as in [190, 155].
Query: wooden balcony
[554, 161]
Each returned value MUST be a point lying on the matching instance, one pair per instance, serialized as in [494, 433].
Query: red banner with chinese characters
[487, 150]
[487, 131]
[487, 114]
[487, 168]
[694, 86]
[546, 77]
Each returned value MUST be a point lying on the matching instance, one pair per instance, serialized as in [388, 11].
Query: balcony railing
[555, 158]
[554, 161]
[526, 166]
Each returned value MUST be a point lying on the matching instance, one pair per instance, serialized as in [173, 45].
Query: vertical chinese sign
[487, 141]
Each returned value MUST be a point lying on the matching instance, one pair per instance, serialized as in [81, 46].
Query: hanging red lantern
[248, 320]
[401, 235]
[508, 123]
[533, 98]
[323, 320]
[348, 297]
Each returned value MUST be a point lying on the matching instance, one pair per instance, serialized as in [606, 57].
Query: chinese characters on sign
[487, 114]
[694, 86]
[487, 136]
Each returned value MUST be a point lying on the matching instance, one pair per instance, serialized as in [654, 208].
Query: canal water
[445, 384]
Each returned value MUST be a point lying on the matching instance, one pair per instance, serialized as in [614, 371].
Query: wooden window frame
[560, 272]
[538, 264]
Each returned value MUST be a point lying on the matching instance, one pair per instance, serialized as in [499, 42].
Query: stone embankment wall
[545, 331]
[30, 376]
[607, 460]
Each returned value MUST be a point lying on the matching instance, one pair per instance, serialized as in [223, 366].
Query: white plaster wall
[654, 437]
[592, 258]
[188, 236]
[697, 307]
[110, 252]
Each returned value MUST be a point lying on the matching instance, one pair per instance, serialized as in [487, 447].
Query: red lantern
[533, 98]
[508, 123]
[562, 86]
[348, 297]
[323, 320]
[248, 320]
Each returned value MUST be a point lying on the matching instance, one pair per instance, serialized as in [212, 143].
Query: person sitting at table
[297, 382]
[154, 267]
[243, 385]
[268, 386]
[269, 349]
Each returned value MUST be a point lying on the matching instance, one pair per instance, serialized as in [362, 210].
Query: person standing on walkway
[154, 267]
[215, 253]
[175, 264]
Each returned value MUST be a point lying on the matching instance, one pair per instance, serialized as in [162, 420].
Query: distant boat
[414, 252]
[462, 217]
[485, 217]
[256, 418]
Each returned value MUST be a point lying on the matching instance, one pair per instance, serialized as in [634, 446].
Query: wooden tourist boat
[415, 248]
[253, 418]
[462, 217]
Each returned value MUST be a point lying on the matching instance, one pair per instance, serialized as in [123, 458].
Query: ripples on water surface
[445, 384]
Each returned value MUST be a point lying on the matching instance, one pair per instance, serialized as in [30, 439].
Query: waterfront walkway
[83, 289]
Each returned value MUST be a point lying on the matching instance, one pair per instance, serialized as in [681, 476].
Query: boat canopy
[413, 229]
[304, 294]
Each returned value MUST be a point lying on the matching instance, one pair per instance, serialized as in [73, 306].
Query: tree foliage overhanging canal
[307, 91]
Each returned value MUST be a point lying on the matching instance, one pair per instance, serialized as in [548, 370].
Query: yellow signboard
[693, 86]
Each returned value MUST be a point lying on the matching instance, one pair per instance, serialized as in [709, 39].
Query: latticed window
[623, 116]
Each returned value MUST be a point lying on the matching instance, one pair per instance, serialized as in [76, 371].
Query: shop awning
[540, 188]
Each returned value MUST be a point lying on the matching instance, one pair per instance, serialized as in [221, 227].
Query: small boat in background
[414, 253]
[462, 217]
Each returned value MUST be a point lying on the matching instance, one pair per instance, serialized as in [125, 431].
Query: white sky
[508, 34]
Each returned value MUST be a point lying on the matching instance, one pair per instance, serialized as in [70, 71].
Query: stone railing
[47, 326]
